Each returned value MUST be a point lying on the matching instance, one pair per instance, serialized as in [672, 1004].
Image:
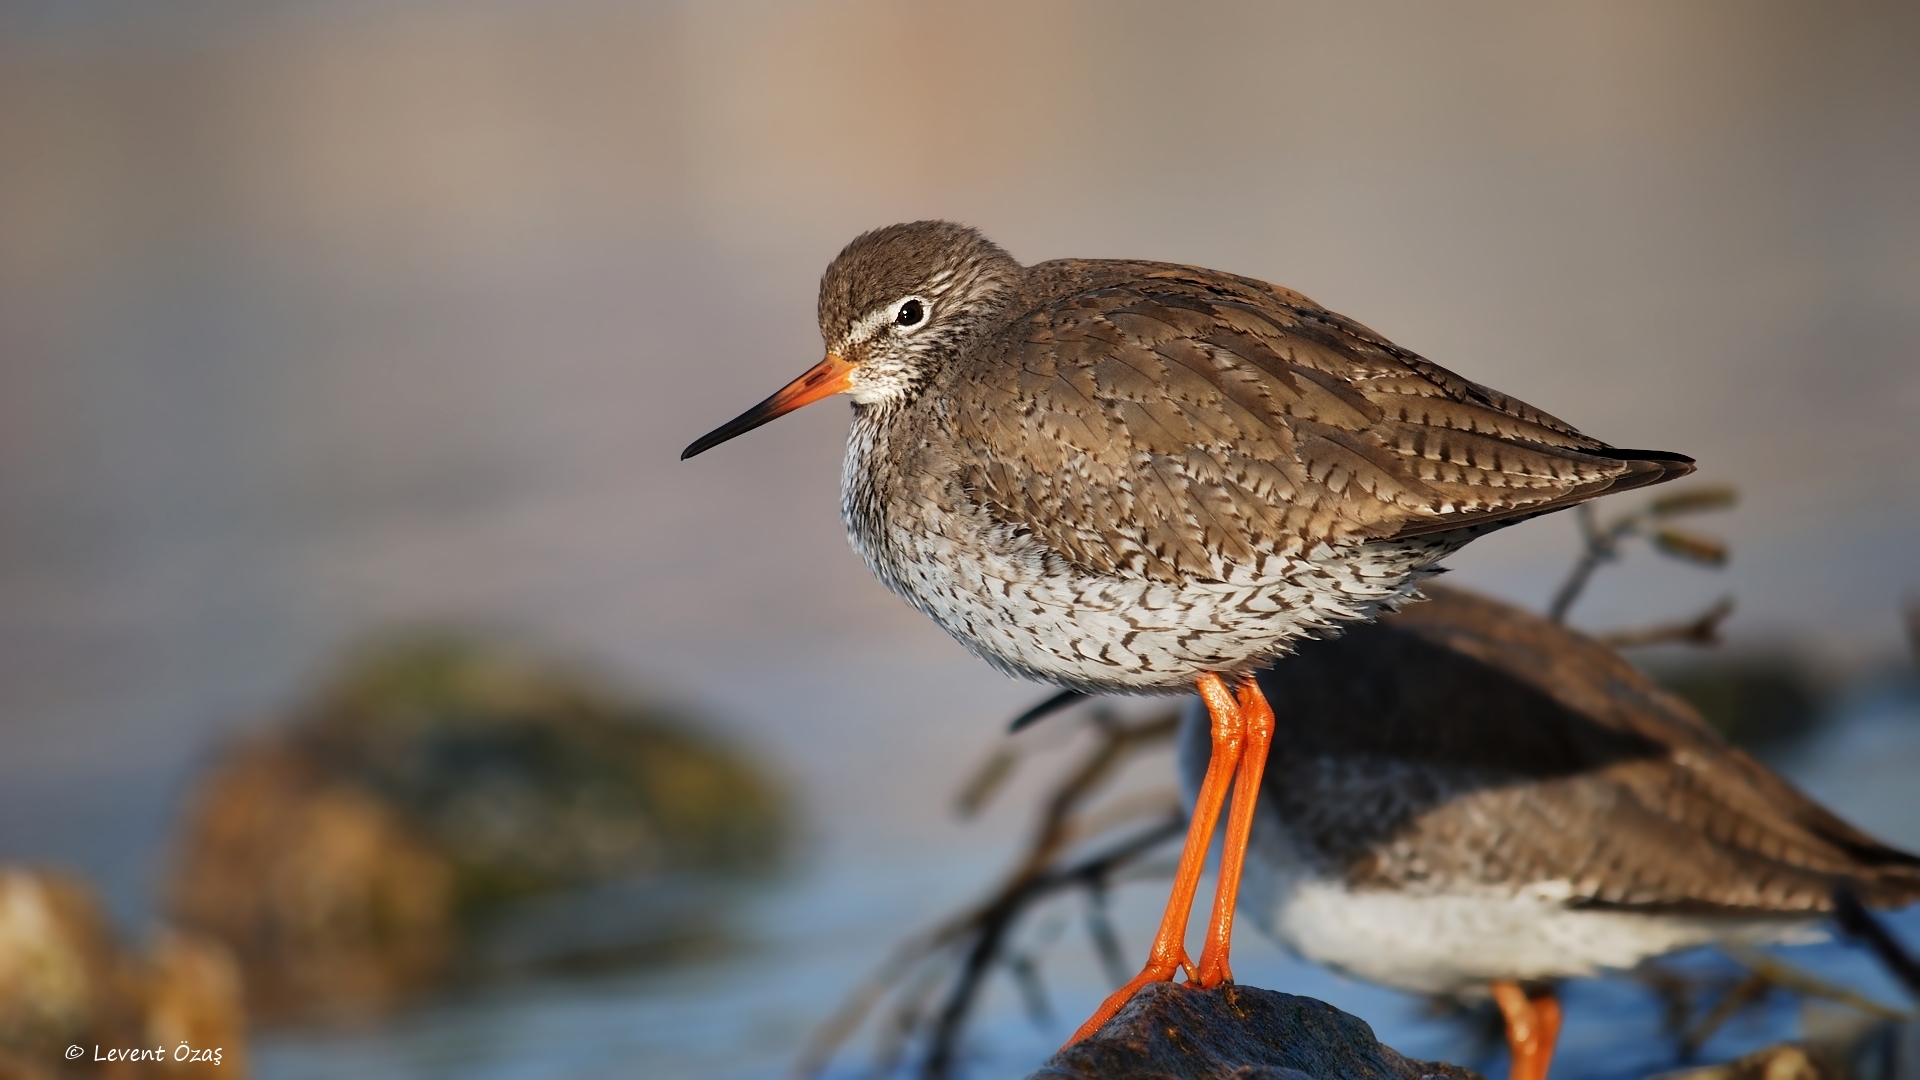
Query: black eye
[912, 313]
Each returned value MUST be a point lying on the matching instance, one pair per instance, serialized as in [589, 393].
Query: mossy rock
[66, 979]
[351, 857]
[533, 777]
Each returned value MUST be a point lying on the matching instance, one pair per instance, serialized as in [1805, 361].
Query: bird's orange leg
[1258, 718]
[1533, 1025]
[1169, 953]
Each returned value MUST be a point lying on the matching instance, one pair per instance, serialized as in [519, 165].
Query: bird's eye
[913, 312]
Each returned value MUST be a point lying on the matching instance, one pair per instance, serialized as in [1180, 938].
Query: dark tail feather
[1645, 455]
[1646, 467]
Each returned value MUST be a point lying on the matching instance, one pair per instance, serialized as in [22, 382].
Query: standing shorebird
[1466, 795]
[1141, 477]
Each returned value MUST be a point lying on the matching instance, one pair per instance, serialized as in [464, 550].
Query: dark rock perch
[1236, 1033]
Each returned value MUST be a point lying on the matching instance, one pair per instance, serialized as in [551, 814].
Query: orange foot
[1533, 1026]
[1242, 730]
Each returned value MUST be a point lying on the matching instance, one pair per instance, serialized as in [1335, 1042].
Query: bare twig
[986, 782]
[1597, 545]
[1856, 921]
[963, 950]
[1106, 942]
[1602, 543]
[844, 1021]
[1805, 983]
[906, 1020]
[1682, 993]
[1692, 501]
[997, 921]
[1912, 613]
[1702, 629]
[1747, 991]
[1678, 992]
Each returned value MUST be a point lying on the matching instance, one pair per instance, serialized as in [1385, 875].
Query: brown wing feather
[1164, 414]
[1506, 750]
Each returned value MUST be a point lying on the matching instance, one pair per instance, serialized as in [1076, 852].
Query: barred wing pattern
[1508, 752]
[1169, 422]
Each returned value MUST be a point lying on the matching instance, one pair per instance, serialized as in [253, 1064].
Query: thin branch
[1912, 613]
[845, 1020]
[1601, 543]
[986, 782]
[997, 922]
[1858, 922]
[1026, 974]
[1747, 991]
[1702, 629]
[1106, 941]
[962, 950]
[1805, 983]
[1597, 545]
[905, 1023]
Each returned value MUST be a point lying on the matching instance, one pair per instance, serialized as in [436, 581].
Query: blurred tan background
[317, 317]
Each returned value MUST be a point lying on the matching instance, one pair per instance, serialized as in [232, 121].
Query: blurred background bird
[1466, 795]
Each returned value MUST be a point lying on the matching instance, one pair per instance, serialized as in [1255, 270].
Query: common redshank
[1141, 477]
[1465, 795]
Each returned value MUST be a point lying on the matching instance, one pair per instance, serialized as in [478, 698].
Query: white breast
[1450, 942]
[1033, 614]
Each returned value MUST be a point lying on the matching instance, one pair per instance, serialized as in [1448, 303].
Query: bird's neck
[865, 476]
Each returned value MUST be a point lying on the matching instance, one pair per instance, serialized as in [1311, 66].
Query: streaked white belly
[1443, 942]
[1031, 614]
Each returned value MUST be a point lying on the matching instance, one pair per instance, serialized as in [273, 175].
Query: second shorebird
[1142, 477]
[1465, 795]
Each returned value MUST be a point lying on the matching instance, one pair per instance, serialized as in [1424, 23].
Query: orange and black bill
[822, 380]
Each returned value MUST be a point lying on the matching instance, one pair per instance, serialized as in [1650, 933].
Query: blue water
[804, 944]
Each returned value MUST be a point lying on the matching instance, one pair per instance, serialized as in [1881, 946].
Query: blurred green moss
[532, 776]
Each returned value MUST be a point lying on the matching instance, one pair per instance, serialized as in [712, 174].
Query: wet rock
[322, 888]
[66, 982]
[191, 996]
[1235, 1033]
[349, 858]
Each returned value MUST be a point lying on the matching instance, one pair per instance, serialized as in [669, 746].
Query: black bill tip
[739, 425]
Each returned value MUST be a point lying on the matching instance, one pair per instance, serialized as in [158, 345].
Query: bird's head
[894, 306]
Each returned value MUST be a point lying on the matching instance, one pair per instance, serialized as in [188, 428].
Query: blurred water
[801, 948]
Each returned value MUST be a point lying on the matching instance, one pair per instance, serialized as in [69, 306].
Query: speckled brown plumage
[1118, 475]
[1465, 748]
[1156, 420]
[1139, 477]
